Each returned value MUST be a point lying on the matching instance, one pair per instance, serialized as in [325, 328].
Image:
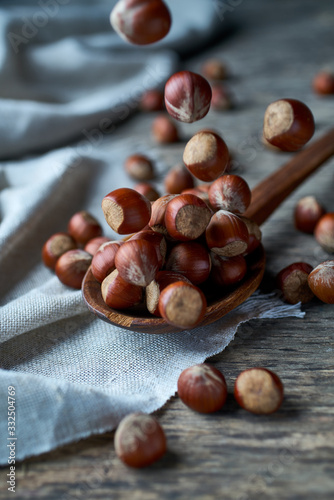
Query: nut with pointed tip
[321, 281]
[227, 271]
[187, 96]
[141, 22]
[55, 247]
[103, 262]
[126, 210]
[147, 190]
[139, 440]
[191, 259]
[324, 232]
[164, 130]
[202, 388]
[94, 244]
[182, 305]
[139, 167]
[83, 227]
[226, 234]
[288, 124]
[72, 266]
[178, 179]
[154, 289]
[307, 214]
[206, 156]
[137, 262]
[186, 217]
[230, 192]
[119, 294]
[293, 283]
[259, 391]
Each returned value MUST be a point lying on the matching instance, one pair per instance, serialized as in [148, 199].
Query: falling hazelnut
[187, 96]
[141, 22]
[288, 124]
[206, 156]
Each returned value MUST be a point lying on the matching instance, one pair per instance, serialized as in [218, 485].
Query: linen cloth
[65, 75]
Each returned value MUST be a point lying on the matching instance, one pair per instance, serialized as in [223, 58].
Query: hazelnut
[164, 130]
[191, 259]
[55, 246]
[323, 83]
[83, 227]
[308, 212]
[226, 234]
[157, 220]
[119, 294]
[254, 234]
[321, 281]
[141, 21]
[154, 289]
[227, 271]
[103, 262]
[157, 240]
[202, 388]
[187, 96]
[147, 190]
[182, 305]
[288, 124]
[221, 98]
[94, 244]
[72, 266]
[324, 232]
[126, 210]
[259, 391]
[139, 167]
[214, 69]
[186, 217]
[230, 192]
[292, 281]
[178, 179]
[152, 100]
[139, 440]
[137, 261]
[206, 156]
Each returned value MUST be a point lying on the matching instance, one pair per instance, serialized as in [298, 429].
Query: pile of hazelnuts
[140, 440]
[299, 282]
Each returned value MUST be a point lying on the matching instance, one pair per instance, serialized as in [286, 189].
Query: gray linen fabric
[63, 72]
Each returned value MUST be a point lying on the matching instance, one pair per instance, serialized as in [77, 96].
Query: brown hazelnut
[55, 246]
[324, 232]
[293, 283]
[321, 281]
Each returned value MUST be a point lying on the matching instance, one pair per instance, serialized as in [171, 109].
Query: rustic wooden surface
[274, 53]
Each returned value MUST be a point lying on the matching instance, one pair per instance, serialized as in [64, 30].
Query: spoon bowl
[266, 197]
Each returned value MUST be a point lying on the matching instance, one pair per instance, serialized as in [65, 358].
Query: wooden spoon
[266, 197]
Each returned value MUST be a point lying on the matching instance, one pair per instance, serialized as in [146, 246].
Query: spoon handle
[270, 193]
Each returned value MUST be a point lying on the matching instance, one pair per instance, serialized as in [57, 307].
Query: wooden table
[274, 52]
